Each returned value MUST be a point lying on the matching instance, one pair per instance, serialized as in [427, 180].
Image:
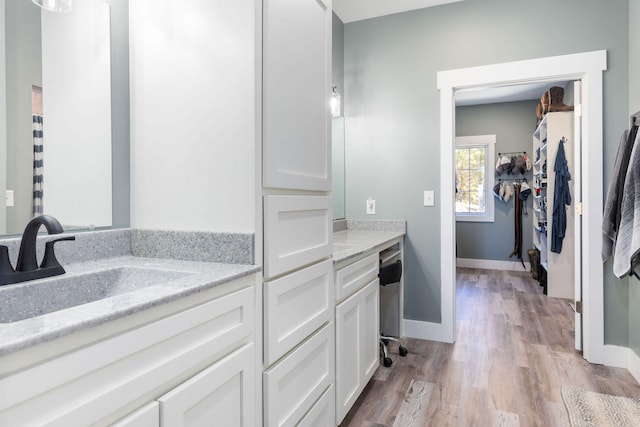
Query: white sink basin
[31, 299]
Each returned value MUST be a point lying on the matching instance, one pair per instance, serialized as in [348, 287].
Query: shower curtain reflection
[38, 149]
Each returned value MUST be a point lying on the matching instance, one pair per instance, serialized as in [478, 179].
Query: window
[474, 177]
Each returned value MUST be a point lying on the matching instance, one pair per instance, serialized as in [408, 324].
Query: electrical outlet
[371, 206]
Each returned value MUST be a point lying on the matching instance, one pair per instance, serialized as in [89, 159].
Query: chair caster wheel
[387, 362]
[403, 351]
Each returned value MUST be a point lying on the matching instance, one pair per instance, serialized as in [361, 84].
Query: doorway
[588, 68]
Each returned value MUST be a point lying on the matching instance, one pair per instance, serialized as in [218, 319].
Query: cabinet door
[347, 354]
[370, 344]
[223, 394]
[296, 88]
[357, 335]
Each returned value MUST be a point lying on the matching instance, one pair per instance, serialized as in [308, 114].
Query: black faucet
[27, 265]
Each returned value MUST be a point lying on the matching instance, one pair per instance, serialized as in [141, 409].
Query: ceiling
[512, 93]
[357, 10]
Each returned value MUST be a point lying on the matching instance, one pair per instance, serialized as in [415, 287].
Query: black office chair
[390, 274]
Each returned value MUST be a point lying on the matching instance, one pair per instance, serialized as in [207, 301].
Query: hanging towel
[627, 245]
[613, 204]
[561, 199]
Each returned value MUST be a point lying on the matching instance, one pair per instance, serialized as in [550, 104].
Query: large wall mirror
[338, 123]
[56, 109]
[337, 171]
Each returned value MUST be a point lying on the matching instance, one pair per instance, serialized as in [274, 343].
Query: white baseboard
[491, 264]
[424, 330]
[622, 357]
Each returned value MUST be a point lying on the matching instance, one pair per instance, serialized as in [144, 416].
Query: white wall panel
[193, 115]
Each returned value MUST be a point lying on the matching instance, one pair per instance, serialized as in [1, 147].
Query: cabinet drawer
[294, 307]
[297, 232]
[322, 414]
[222, 394]
[353, 277]
[147, 416]
[99, 383]
[294, 384]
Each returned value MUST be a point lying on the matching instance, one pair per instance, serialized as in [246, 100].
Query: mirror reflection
[337, 153]
[55, 107]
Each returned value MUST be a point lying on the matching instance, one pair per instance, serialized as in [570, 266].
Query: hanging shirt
[561, 199]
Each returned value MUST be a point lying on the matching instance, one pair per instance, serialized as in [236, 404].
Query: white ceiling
[513, 93]
[357, 10]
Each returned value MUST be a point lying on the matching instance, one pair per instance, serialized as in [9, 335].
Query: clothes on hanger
[613, 204]
[517, 222]
[626, 259]
[561, 199]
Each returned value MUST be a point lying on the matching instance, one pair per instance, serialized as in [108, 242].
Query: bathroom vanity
[178, 347]
[357, 256]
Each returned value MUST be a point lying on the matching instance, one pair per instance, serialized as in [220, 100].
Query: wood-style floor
[514, 352]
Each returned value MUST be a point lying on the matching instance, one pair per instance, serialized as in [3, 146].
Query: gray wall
[120, 124]
[393, 119]
[513, 124]
[634, 107]
[3, 120]
[24, 69]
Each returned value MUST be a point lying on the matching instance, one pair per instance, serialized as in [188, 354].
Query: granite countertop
[352, 243]
[184, 278]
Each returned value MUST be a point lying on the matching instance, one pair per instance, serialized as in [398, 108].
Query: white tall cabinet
[559, 267]
[298, 294]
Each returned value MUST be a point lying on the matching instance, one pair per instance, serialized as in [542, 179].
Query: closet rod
[512, 152]
[512, 179]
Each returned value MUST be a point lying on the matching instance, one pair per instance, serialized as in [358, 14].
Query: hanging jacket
[517, 222]
[561, 199]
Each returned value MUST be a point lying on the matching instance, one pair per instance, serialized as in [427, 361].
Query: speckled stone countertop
[196, 277]
[352, 243]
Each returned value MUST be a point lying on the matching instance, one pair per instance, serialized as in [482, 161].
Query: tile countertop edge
[24, 334]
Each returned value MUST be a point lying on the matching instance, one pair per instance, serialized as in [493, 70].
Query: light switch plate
[371, 207]
[9, 198]
[429, 198]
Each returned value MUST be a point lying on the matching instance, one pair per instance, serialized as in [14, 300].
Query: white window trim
[489, 142]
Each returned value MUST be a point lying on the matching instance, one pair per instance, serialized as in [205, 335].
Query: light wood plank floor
[514, 352]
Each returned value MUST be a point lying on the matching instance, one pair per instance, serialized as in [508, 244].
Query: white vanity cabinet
[186, 362]
[357, 330]
[296, 87]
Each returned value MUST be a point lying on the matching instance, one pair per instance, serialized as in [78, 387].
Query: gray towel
[613, 202]
[627, 246]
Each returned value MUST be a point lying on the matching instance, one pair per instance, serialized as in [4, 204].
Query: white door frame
[587, 67]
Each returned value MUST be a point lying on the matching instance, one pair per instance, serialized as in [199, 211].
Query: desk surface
[353, 243]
